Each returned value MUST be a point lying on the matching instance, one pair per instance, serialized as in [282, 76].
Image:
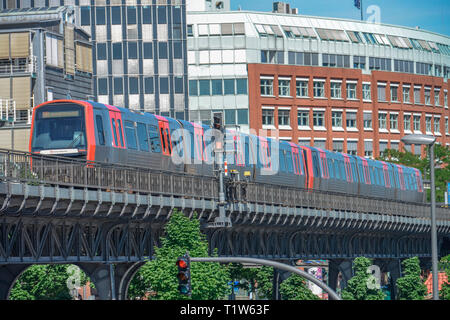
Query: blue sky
[432, 15]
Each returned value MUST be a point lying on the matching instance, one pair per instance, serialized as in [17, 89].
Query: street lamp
[419, 139]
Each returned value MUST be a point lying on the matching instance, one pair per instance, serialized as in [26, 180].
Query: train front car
[64, 128]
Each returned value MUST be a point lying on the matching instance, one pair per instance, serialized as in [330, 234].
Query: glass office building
[139, 51]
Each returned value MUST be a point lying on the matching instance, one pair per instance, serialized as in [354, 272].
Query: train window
[168, 141]
[155, 142]
[130, 133]
[120, 132]
[100, 130]
[163, 139]
[289, 162]
[316, 164]
[142, 137]
[113, 122]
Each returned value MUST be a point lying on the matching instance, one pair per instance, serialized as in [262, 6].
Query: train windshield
[59, 126]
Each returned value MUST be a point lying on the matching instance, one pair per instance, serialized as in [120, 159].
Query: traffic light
[184, 274]
[217, 120]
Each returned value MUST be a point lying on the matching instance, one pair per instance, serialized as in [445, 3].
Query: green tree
[247, 277]
[158, 276]
[44, 282]
[411, 286]
[294, 288]
[360, 286]
[442, 166]
[444, 294]
[264, 280]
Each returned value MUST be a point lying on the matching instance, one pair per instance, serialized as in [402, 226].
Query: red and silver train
[104, 133]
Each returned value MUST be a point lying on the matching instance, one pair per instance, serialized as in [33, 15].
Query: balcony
[18, 65]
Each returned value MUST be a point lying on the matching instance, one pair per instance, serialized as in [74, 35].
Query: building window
[303, 118]
[437, 125]
[350, 120]
[352, 147]
[148, 50]
[359, 62]
[302, 88]
[133, 85]
[383, 146]
[85, 13]
[242, 115]
[217, 88]
[379, 64]
[230, 117]
[266, 87]
[205, 89]
[367, 120]
[320, 143]
[102, 86]
[101, 51]
[241, 86]
[381, 92]
[118, 85]
[336, 60]
[163, 85]
[116, 16]
[368, 149]
[445, 99]
[190, 32]
[132, 50]
[393, 121]
[284, 117]
[148, 85]
[318, 119]
[407, 122]
[338, 146]
[366, 92]
[394, 93]
[228, 85]
[178, 81]
[162, 50]
[351, 91]
[100, 16]
[146, 15]
[394, 145]
[336, 90]
[416, 123]
[193, 88]
[382, 122]
[427, 96]
[162, 18]
[428, 124]
[437, 101]
[417, 95]
[267, 117]
[336, 119]
[318, 87]
[406, 97]
[117, 51]
[446, 126]
[284, 87]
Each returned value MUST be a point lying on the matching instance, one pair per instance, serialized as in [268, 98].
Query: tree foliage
[442, 166]
[44, 282]
[158, 276]
[411, 286]
[444, 294]
[295, 288]
[358, 287]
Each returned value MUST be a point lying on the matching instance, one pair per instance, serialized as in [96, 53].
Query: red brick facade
[257, 101]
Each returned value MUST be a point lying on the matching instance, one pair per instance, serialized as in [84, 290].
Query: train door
[309, 184]
[102, 151]
[117, 136]
[164, 131]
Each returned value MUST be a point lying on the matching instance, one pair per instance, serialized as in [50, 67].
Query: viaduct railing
[39, 169]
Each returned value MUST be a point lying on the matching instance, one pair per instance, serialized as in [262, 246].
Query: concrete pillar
[9, 273]
[336, 266]
[111, 280]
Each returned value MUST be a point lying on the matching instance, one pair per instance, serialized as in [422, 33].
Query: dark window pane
[100, 131]
[193, 88]
[229, 86]
[118, 86]
[315, 59]
[178, 84]
[85, 16]
[176, 32]
[116, 15]
[155, 141]
[131, 15]
[132, 50]
[101, 51]
[148, 85]
[204, 88]
[163, 85]
[162, 19]
[130, 133]
[148, 50]
[176, 15]
[230, 116]
[142, 136]
[117, 50]
[216, 87]
[242, 116]
[133, 85]
[102, 86]
[241, 85]
[146, 15]
[100, 18]
[162, 49]
[177, 50]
